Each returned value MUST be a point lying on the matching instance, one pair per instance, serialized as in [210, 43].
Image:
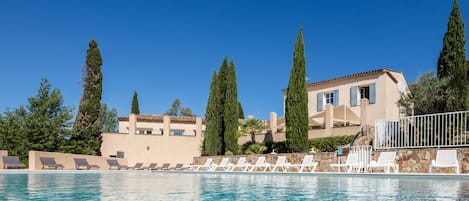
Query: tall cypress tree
[212, 142]
[452, 64]
[135, 108]
[86, 137]
[221, 83]
[231, 111]
[241, 111]
[296, 103]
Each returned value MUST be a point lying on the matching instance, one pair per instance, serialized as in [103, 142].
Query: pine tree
[110, 122]
[212, 142]
[452, 64]
[48, 122]
[296, 103]
[231, 111]
[241, 111]
[86, 137]
[135, 108]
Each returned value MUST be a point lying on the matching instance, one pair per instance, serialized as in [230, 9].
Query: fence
[433, 130]
[364, 156]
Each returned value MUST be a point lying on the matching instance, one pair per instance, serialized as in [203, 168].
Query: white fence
[433, 130]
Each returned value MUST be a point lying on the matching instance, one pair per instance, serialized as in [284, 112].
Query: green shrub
[329, 144]
[257, 148]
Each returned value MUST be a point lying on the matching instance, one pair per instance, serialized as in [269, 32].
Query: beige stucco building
[339, 106]
[352, 101]
[155, 138]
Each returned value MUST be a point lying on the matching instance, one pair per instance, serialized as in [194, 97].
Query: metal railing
[432, 130]
[364, 156]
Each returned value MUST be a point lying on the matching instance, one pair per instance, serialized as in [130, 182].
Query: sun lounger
[12, 162]
[82, 163]
[207, 165]
[445, 159]
[260, 164]
[49, 163]
[308, 162]
[152, 166]
[281, 163]
[224, 164]
[351, 163]
[387, 161]
[114, 163]
[137, 166]
[180, 166]
[165, 166]
[242, 164]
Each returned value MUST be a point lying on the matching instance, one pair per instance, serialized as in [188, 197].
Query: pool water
[145, 185]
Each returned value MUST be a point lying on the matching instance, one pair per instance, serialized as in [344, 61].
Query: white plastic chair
[308, 162]
[224, 164]
[445, 159]
[386, 160]
[351, 163]
[281, 163]
[260, 163]
[241, 164]
[207, 165]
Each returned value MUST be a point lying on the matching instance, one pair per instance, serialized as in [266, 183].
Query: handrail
[354, 138]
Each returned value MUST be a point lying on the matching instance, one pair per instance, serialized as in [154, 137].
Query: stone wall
[409, 160]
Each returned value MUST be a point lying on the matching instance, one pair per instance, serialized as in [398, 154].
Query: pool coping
[388, 175]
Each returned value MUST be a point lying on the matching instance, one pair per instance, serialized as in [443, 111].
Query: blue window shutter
[353, 95]
[319, 102]
[336, 97]
[372, 93]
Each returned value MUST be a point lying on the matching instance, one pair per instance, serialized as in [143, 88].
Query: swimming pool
[145, 185]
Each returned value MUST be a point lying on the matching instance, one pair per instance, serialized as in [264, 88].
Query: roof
[159, 119]
[354, 76]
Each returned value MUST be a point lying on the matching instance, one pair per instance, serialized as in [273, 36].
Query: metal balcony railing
[432, 130]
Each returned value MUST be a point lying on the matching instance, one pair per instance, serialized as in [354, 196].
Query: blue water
[145, 185]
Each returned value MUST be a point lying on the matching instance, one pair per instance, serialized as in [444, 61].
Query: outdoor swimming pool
[143, 185]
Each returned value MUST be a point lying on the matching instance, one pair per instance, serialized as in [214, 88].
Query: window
[144, 131]
[365, 92]
[329, 98]
[177, 132]
[360, 92]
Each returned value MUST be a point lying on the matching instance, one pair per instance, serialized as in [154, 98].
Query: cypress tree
[221, 95]
[212, 142]
[241, 111]
[135, 108]
[86, 137]
[296, 103]
[452, 64]
[231, 110]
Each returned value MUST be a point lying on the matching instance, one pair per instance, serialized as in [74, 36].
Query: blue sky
[169, 49]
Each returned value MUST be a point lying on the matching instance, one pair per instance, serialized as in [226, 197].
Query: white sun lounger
[308, 162]
[281, 163]
[207, 165]
[224, 164]
[242, 164]
[387, 161]
[351, 163]
[445, 159]
[260, 164]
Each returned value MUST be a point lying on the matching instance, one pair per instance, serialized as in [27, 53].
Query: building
[338, 106]
[343, 105]
[155, 138]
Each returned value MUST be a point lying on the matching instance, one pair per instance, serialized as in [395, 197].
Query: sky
[169, 49]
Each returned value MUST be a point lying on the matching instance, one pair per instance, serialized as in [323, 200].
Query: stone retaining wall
[409, 160]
